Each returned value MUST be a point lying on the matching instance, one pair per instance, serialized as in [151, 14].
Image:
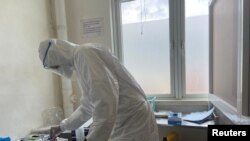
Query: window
[186, 48]
[145, 42]
[225, 50]
[230, 49]
[164, 45]
[197, 46]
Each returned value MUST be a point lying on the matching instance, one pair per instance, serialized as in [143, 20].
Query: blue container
[151, 100]
[175, 118]
[5, 139]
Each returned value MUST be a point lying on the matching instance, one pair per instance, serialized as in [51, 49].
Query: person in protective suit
[110, 95]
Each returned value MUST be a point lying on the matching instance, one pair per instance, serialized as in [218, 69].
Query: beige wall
[26, 88]
[77, 10]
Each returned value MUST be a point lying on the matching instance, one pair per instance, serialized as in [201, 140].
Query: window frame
[243, 92]
[243, 68]
[177, 47]
[244, 97]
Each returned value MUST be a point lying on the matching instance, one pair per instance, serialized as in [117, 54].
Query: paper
[162, 121]
[93, 27]
[199, 117]
[162, 114]
[205, 124]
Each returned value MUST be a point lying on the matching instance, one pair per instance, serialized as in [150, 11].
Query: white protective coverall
[110, 95]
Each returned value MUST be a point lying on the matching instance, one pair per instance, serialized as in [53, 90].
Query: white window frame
[177, 47]
[243, 68]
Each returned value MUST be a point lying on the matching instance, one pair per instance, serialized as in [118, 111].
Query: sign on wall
[93, 27]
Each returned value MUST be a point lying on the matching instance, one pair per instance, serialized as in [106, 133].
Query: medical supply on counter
[175, 118]
[36, 137]
[5, 139]
[199, 117]
[162, 114]
[151, 100]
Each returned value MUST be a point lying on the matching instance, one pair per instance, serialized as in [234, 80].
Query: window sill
[227, 113]
[184, 101]
[182, 105]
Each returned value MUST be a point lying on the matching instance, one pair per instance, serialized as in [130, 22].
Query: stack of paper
[199, 117]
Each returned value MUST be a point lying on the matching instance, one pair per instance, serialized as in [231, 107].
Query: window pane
[145, 35]
[225, 50]
[197, 46]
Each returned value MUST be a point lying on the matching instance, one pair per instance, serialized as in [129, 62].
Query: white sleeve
[76, 119]
[104, 93]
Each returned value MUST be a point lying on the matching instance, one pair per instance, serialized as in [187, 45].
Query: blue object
[5, 139]
[175, 118]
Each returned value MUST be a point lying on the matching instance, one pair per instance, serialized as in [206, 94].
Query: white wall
[26, 88]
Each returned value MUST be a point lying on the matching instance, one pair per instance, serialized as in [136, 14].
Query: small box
[175, 118]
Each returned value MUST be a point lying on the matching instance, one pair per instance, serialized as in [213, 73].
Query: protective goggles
[44, 59]
[45, 56]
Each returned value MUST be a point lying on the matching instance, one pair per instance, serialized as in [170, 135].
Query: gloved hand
[55, 131]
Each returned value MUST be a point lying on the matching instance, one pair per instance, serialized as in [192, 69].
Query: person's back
[110, 96]
[135, 119]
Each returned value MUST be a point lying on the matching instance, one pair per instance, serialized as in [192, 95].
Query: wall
[26, 88]
[77, 10]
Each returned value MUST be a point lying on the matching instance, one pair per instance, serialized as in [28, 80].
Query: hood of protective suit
[58, 56]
